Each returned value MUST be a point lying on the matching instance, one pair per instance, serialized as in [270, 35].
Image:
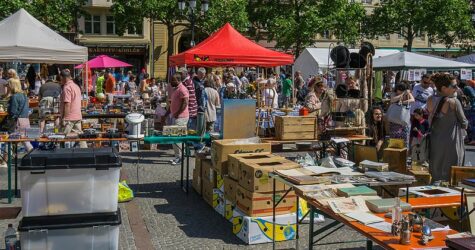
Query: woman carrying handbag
[399, 113]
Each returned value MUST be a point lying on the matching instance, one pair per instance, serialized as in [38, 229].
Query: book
[385, 205]
[469, 182]
[364, 217]
[467, 243]
[355, 191]
[372, 165]
[348, 205]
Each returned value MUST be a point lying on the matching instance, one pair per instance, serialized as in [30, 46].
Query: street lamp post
[191, 11]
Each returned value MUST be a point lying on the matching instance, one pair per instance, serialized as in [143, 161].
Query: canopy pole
[294, 94]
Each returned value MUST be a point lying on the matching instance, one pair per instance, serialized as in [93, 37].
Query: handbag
[399, 113]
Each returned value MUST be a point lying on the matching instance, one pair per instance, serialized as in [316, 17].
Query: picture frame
[470, 200]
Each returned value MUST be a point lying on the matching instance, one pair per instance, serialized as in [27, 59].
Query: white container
[69, 181]
[93, 231]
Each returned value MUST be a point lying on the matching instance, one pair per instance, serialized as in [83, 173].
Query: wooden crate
[396, 158]
[458, 174]
[295, 127]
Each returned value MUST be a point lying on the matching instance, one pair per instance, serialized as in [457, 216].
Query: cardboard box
[256, 230]
[230, 188]
[219, 182]
[209, 194]
[396, 158]
[220, 204]
[196, 183]
[254, 176]
[208, 174]
[234, 160]
[229, 210]
[220, 149]
[261, 204]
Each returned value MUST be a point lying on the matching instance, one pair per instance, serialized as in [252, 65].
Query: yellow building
[97, 31]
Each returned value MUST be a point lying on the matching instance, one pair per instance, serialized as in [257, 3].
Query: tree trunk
[410, 38]
[170, 44]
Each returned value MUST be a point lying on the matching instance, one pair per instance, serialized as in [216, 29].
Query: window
[325, 34]
[387, 37]
[110, 24]
[367, 1]
[134, 29]
[92, 24]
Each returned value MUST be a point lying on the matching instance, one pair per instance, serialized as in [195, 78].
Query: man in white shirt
[422, 92]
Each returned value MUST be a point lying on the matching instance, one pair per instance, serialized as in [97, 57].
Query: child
[419, 128]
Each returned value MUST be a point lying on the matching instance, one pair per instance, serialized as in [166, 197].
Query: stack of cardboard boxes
[236, 183]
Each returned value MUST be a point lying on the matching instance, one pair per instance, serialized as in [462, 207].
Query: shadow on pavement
[194, 216]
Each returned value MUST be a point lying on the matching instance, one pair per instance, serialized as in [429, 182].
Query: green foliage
[294, 24]
[224, 11]
[446, 21]
[58, 15]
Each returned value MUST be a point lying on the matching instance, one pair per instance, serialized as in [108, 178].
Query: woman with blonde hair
[18, 108]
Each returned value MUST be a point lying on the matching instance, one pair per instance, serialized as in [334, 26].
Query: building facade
[97, 31]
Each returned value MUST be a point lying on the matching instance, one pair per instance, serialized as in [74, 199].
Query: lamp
[204, 5]
[181, 5]
[192, 4]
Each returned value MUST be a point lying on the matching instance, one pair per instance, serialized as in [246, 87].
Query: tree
[127, 12]
[444, 21]
[294, 24]
[58, 15]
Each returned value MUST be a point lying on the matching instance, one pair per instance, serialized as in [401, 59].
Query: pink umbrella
[103, 61]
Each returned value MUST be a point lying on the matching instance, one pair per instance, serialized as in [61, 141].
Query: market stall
[409, 60]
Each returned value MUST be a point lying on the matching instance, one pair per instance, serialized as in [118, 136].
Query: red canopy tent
[227, 47]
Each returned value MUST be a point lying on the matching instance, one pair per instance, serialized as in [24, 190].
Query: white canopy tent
[408, 60]
[313, 60]
[27, 40]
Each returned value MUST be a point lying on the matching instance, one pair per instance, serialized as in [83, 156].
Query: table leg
[273, 213]
[310, 227]
[407, 193]
[187, 150]
[369, 244]
[16, 170]
[9, 170]
[182, 165]
[297, 225]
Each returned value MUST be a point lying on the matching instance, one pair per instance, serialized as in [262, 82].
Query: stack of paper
[348, 205]
[365, 218]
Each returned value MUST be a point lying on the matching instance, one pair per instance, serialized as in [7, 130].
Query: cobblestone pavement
[175, 220]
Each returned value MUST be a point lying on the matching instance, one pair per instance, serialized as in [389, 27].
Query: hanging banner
[466, 74]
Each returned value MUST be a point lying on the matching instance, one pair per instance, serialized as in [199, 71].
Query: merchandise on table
[295, 127]
[396, 159]
[256, 230]
[429, 191]
[385, 205]
[72, 232]
[355, 191]
[69, 181]
[261, 204]
[220, 149]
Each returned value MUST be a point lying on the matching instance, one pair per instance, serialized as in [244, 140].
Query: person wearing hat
[70, 106]
[421, 93]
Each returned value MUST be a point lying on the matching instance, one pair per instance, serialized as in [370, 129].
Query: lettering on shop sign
[97, 50]
[240, 151]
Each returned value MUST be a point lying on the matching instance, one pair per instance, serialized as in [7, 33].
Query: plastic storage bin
[69, 181]
[72, 232]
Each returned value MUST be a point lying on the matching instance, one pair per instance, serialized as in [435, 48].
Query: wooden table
[384, 239]
[435, 202]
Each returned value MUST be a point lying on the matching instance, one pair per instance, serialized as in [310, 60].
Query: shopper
[47, 94]
[244, 81]
[376, 129]
[419, 128]
[448, 124]
[18, 109]
[143, 86]
[110, 83]
[421, 93]
[212, 103]
[192, 103]
[287, 90]
[178, 110]
[100, 83]
[70, 106]
[312, 102]
[402, 95]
